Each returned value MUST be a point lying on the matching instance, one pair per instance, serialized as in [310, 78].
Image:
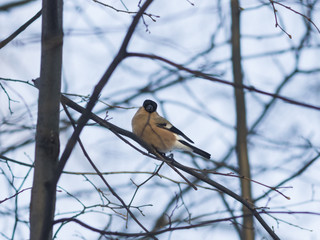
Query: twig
[14, 195]
[246, 178]
[151, 16]
[9, 98]
[276, 19]
[156, 172]
[287, 7]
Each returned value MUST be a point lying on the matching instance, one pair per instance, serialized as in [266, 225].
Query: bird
[159, 132]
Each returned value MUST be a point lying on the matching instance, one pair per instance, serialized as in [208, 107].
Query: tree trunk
[241, 145]
[47, 136]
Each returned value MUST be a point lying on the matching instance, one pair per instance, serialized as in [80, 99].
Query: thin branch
[235, 222]
[276, 19]
[291, 9]
[2, 201]
[299, 172]
[151, 16]
[15, 161]
[20, 30]
[16, 80]
[9, 98]
[209, 77]
[156, 172]
[248, 179]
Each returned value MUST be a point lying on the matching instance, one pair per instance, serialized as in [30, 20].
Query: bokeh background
[283, 138]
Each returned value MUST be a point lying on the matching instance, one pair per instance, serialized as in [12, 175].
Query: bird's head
[150, 106]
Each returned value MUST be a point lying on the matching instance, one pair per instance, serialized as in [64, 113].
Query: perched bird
[159, 132]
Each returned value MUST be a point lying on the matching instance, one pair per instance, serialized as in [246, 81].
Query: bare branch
[209, 77]
[20, 30]
[291, 9]
[151, 16]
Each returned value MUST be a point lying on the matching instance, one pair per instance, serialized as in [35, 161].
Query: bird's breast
[161, 139]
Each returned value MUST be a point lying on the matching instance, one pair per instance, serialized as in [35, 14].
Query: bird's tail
[196, 150]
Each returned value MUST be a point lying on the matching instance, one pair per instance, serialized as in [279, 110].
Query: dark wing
[168, 126]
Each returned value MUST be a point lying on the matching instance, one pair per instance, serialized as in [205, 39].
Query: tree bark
[47, 135]
[241, 144]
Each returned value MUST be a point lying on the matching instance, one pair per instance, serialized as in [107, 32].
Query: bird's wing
[165, 124]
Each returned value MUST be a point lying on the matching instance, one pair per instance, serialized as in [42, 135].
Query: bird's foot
[170, 156]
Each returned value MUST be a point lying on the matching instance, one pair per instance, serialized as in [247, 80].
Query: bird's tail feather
[196, 150]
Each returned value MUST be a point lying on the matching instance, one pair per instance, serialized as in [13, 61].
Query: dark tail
[196, 150]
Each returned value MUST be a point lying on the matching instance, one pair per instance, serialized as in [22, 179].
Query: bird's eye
[149, 108]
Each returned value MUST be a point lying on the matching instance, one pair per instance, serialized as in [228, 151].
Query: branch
[15, 161]
[287, 7]
[151, 16]
[14, 195]
[231, 174]
[209, 77]
[9, 98]
[276, 20]
[20, 30]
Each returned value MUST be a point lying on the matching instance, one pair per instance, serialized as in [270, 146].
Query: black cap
[150, 106]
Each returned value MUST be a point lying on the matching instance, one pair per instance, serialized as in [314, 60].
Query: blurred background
[283, 140]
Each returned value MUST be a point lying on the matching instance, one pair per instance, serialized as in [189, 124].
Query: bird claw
[170, 156]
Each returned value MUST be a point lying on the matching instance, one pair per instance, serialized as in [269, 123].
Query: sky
[195, 34]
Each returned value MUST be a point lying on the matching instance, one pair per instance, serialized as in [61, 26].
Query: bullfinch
[159, 132]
